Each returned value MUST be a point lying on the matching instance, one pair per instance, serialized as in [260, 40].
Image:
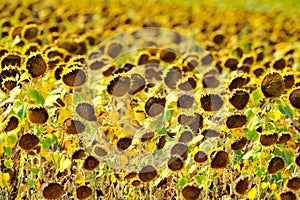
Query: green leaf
[12, 139]
[22, 112]
[35, 171]
[251, 135]
[7, 151]
[256, 95]
[46, 143]
[162, 131]
[8, 163]
[34, 94]
[32, 183]
[285, 109]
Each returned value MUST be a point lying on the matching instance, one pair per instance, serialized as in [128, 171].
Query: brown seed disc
[90, 163]
[190, 65]
[295, 98]
[289, 81]
[297, 159]
[28, 141]
[239, 143]
[167, 55]
[242, 186]
[154, 106]
[211, 102]
[219, 159]
[269, 139]
[36, 65]
[135, 183]
[276, 164]
[78, 154]
[239, 99]
[249, 60]
[124, 143]
[186, 137]
[180, 149]
[98, 64]
[38, 115]
[238, 82]
[294, 183]
[236, 121]
[175, 163]
[31, 33]
[53, 191]
[147, 173]
[285, 137]
[210, 133]
[188, 85]
[99, 151]
[185, 101]
[109, 71]
[161, 142]
[172, 77]
[210, 81]
[83, 192]
[12, 123]
[130, 175]
[272, 85]
[218, 39]
[86, 111]
[76, 77]
[185, 119]
[73, 126]
[258, 72]
[207, 60]
[197, 123]
[231, 63]
[11, 59]
[147, 136]
[191, 192]
[119, 86]
[114, 50]
[138, 83]
[279, 64]
[200, 157]
[143, 59]
[288, 196]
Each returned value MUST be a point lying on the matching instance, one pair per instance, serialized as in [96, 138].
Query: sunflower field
[111, 99]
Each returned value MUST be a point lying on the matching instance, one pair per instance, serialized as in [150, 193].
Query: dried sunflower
[53, 191]
[191, 192]
[28, 141]
[38, 115]
[219, 159]
[276, 164]
[11, 123]
[147, 173]
[119, 86]
[35, 65]
[211, 102]
[90, 163]
[83, 192]
[272, 85]
[86, 111]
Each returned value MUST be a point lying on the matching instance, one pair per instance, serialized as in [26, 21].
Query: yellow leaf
[64, 114]
[264, 185]
[237, 167]
[27, 166]
[4, 180]
[64, 164]
[252, 193]
[273, 186]
[151, 146]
